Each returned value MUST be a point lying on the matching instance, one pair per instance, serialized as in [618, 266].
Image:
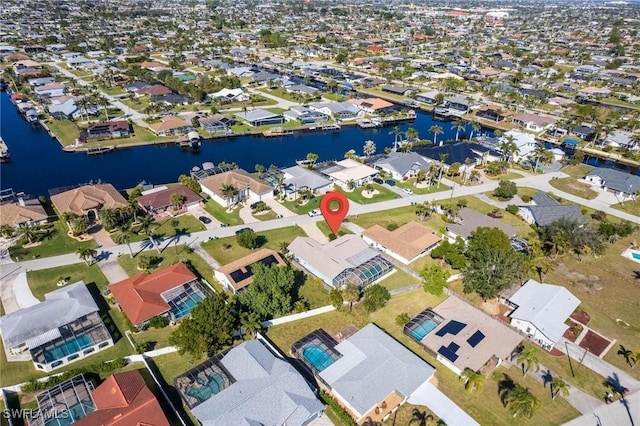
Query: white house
[230, 95]
[248, 187]
[541, 311]
[621, 139]
[51, 90]
[350, 172]
[534, 122]
[403, 165]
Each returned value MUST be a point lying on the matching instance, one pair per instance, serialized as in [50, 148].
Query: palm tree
[29, 231]
[397, 137]
[474, 175]
[475, 127]
[250, 323]
[529, 359]
[351, 294]
[421, 418]
[229, 191]
[369, 148]
[436, 130]
[421, 176]
[559, 386]
[177, 200]
[521, 402]
[458, 124]
[7, 231]
[467, 169]
[87, 254]
[560, 243]
[312, 158]
[443, 158]
[542, 155]
[123, 238]
[68, 217]
[148, 226]
[411, 134]
[109, 218]
[508, 147]
[473, 380]
[79, 225]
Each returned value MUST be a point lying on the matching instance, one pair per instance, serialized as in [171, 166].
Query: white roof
[545, 306]
[349, 169]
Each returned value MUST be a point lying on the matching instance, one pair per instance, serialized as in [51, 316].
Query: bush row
[34, 385]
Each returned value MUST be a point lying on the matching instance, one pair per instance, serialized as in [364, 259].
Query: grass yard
[526, 191]
[571, 186]
[506, 176]
[221, 215]
[357, 195]
[156, 337]
[399, 216]
[324, 228]
[269, 239]
[281, 93]
[264, 216]
[187, 224]
[58, 243]
[578, 171]
[405, 415]
[293, 205]
[44, 280]
[112, 90]
[410, 183]
[398, 279]
[66, 131]
[313, 292]
[630, 207]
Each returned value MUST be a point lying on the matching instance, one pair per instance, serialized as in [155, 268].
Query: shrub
[607, 148]
[247, 239]
[526, 198]
[512, 208]
[158, 322]
[402, 319]
[392, 227]
[34, 385]
[331, 236]
[599, 215]
[505, 190]
[337, 409]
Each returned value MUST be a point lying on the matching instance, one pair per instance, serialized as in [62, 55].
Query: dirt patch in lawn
[587, 283]
[594, 343]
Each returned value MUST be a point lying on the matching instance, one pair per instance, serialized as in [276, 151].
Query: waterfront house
[250, 384]
[248, 187]
[63, 107]
[88, 200]
[406, 243]
[296, 179]
[533, 122]
[260, 117]
[157, 201]
[430, 98]
[347, 259]
[469, 220]
[372, 105]
[458, 153]
[399, 91]
[457, 104]
[304, 115]
[541, 311]
[170, 126]
[225, 96]
[23, 212]
[337, 110]
[170, 292]
[594, 92]
[109, 129]
[402, 166]
[237, 275]
[216, 123]
[461, 336]
[64, 328]
[493, 113]
[621, 139]
[544, 210]
[583, 132]
[349, 173]
[622, 184]
[50, 90]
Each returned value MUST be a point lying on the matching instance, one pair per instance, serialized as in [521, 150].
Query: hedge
[337, 409]
[34, 385]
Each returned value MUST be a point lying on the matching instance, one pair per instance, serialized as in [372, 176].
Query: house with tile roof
[533, 122]
[88, 200]
[157, 201]
[249, 188]
[23, 212]
[406, 243]
[237, 275]
[541, 311]
[170, 292]
[171, 125]
[372, 105]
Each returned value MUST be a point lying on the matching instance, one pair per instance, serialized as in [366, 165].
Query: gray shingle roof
[257, 114]
[403, 163]
[60, 307]
[617, 180]
[546, 215]
[267, 391]
[302, 178]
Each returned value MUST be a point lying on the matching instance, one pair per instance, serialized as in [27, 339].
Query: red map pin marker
[334, 217]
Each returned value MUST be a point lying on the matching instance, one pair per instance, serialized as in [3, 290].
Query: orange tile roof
[139, 296]
[15, 214]
[82, 199]
[408, 241]
[124, 400]
[371, 103]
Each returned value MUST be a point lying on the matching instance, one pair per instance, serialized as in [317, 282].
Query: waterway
[39, 164]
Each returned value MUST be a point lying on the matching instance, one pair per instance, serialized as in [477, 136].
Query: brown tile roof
[139, 296]
[408, 241]
[242, 263]
[238, 178]
[14, 214]
[155, 90]
[169, 123]
[82, 199]
[124, 400]
[162, 199]
[372, 103]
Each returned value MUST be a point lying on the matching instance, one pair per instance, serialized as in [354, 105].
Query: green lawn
[324, 228]
[58, 243]
[578, 171]
[112, 90]
[571, 186]
[313, 292]
[66, 131]
[157, 337]
[44, 280]
[221, 215]
[506, 176]
[137, 104]
[312, 204]
[410, 183]
[264, 216]
[357, 195]
[270, 239]
[398, 279]
[281, 93]
[630, 207]
[187, 224]
[399, 216]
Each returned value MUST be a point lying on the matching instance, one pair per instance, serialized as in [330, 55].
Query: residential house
[171, 292]
[406, 243]
[109, 129]
[70, 399]
[461, 336]
[237, 275]
[493, 113]
[171, 125]
[157, 201]
[594, 92]
[396, 90]
[544, 210]
[241, 72]
[430, 98]
[88, 200]
[249, 188]
[350, 173]
[171, 99]
[622, 139]
[525, 142]
[533, 122]
[64, 328]
[153, 90]
[622, 184]
[457, 104]
[216, 123]
[251, 384]
[372, 105]
[260, 117]
[296, 179]
[337, 110]
[41, 81]
[24, 212]
[50, 90]
[583, 132]
[469, 220]
[541, 311]
[303, 89]
[304, 115]
[347, 259]
[458, 153]
[402, 166]
[79, 61]
[225, 96]
[63, 107]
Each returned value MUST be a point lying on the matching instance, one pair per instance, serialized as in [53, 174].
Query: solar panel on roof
[445, 352]
[475, 338]
[453, 347]
[452, 327]
[240, 275]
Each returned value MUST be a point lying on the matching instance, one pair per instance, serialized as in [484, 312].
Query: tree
[147, 225]
[421, 418]
[434, 279]
[505, 190]
[473, 380]
[351, 294]
[521, 402]
[397, 137]
[208, 328]
[259, 168]
[229, 191]
[528, 359]
[542, 155]
[190, 183]
[375, 297]
[87, 254]
[508, 147]
[123, 238]
[436, 130]
[250, 323]
[559, 386]
[369, 148]
[424, 210]
[79, 225]
[443, 158]
[452, 253]
[109, 218]
[492, 264]
[475, 127]
[459, 125]
[270, 292]
[336, 298]
[627, 354]
[247, 239]
[177, 200]
[411, 134]
[312, 158]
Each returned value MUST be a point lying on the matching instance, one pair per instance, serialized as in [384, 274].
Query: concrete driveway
[429, 396]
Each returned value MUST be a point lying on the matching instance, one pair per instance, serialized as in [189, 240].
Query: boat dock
[369, 124]
[96, 150]
[276, 132]
[4, 151]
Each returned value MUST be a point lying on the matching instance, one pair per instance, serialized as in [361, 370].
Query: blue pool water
[184, 306]
[67, 348]
[72, 415]
[423, 329]
[635, 255]
[318, 357]
[214, 384]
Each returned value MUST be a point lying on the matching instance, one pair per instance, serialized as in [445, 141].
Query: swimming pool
[423, 329]
[67, 348]
[317, 357]
[184, 305]
[208, 387]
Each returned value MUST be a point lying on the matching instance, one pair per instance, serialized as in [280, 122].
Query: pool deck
[628, 253]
